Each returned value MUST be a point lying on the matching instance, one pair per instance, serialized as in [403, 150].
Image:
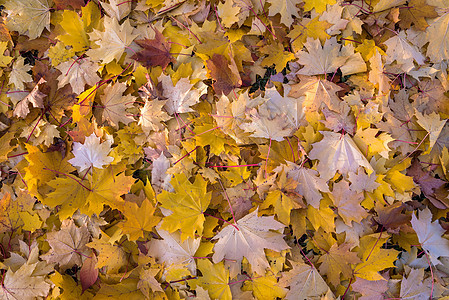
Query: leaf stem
[34, 128]
[188, 153]
[347, 289]
[236, 166]
[218, 19]
[416, 147]
[218, 218]
[302, 252]
[90, 167]
[15, 155]
[62, 125]
[73, 63]
[431, 274]
[179, 23]
[79, 182]
[229, 202]
[374, 246]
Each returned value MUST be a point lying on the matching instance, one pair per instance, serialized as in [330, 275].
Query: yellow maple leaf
[337, 261]
[112, 255]
[106, 188]
[125, 289]
[228, 13]
[75, 31]
[9, 216]
[68, 288]
[372, 143]
[59, 53]
[42, 168]
[282, 201]
[265, 287]
[138, 219]
[368, 48]
[208, 134]
[67, 193]
[89, 194]
[319, 5]
[276, 55]
[323, 217]
[314, 28]
[215, 279]
[4, 60]
[188, 203]
[83, 108]
[374, 260]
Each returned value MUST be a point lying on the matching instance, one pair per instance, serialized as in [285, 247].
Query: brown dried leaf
[67, 245]
[35, 97]
[156, 52]
[226, 76]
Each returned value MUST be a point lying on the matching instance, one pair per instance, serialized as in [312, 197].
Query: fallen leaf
[35, 97]
[337, 152]
[171, 250]
[250, 236]
[226, 76]
[348, 203]
[305, 282]
[67, 245]
[187, 204]
[88, 272]
[429, 235]
[155, 52]
[92, 153]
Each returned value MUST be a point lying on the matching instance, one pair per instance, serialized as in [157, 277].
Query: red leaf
[64, 4]
[155, 52]
[226, 76]
[424, 179]
[88, 272]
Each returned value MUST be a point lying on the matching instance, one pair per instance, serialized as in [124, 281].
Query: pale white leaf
[291, 107]
[170, 250]
[115, 104]
[401, 51]
[304, 281]
[337, 152]
[320, 60]
[309, 184]
[152, 115]
[112, 42]
[160, 179]
[254, 234]
[92, 153]
[180, 96]
[23, 285]
[413, 287]
[78, 74]
[430, 235]
[19, 75]
[264, 124]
